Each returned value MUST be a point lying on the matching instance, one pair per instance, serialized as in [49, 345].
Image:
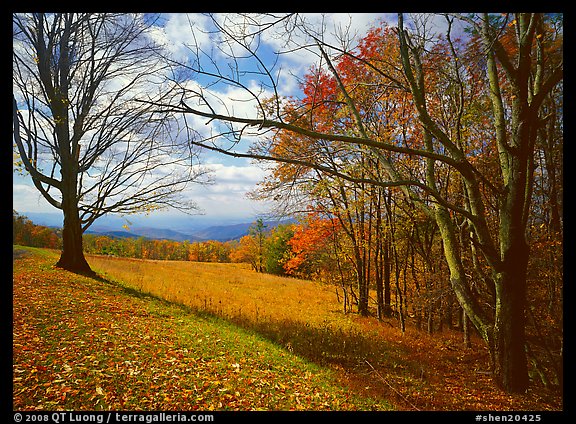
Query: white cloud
[280, 48]
[26, 198]
[227, 195]
[237, 174]
[230, 180]
[186, 35]
[178, 31]
[330, 27]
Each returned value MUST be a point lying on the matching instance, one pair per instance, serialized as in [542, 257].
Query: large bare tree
[81, 128]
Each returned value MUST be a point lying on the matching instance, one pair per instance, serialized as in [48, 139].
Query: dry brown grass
[414, 370]
[229, 290]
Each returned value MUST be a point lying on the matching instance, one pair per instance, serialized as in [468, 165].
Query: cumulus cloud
[227, 194]
[332, 28]
[179, 31]
[25, 197]
[185, 36]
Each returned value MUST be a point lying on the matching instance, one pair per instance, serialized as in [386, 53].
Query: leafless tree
[81, 128]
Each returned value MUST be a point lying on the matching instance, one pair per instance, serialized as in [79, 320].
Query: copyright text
[111, 417]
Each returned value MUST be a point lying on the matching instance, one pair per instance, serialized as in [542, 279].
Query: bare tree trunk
[387, 272]
[72, 257]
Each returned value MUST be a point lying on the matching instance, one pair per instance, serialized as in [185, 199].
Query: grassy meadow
[167, 335]
[227, 289]
[302, 316]
[84, 343]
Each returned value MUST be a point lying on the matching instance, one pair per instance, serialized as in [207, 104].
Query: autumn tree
[473, 177]
[252, 247]
[242, 251]
[311, 248]
[518, 83]
[80, 128]
[257, 232]
[278, 248]
[25, 232]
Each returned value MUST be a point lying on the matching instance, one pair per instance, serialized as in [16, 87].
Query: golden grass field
[414, 370]
[230, 290]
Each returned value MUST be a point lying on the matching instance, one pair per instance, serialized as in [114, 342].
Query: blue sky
[225, 199]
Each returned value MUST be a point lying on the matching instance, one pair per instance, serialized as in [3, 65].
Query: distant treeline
[26, 233]
[279, 250]
[143, 248]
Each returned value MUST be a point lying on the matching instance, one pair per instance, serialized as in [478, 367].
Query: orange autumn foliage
[310, 242]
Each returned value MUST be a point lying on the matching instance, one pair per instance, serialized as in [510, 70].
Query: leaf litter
[86, 344]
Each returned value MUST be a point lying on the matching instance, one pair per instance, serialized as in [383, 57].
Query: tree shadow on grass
[322, 344]
[19, 253]
[137, 293]
[364, 360]
[353, 351]
[327, 344]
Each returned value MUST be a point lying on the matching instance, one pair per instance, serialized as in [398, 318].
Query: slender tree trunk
[379, 285]
[400, 304]
[362, 288]
[387, 271]
[466, 330]
[378, 259]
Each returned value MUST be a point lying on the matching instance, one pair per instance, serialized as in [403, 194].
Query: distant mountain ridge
[159, 232]
[146, 232]
[224, 232]
[218, 232]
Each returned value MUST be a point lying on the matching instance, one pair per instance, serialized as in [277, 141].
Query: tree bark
[466, 329]
[72, 257]
[362, 285]
[508, 354]
[509, 341]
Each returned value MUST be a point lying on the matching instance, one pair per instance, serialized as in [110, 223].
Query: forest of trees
[26, 233]
[425, 167]
[410, 282]
[427, 148]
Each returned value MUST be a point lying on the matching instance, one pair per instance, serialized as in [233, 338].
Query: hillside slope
[243, 341]
[414, 370]
[90, 344]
